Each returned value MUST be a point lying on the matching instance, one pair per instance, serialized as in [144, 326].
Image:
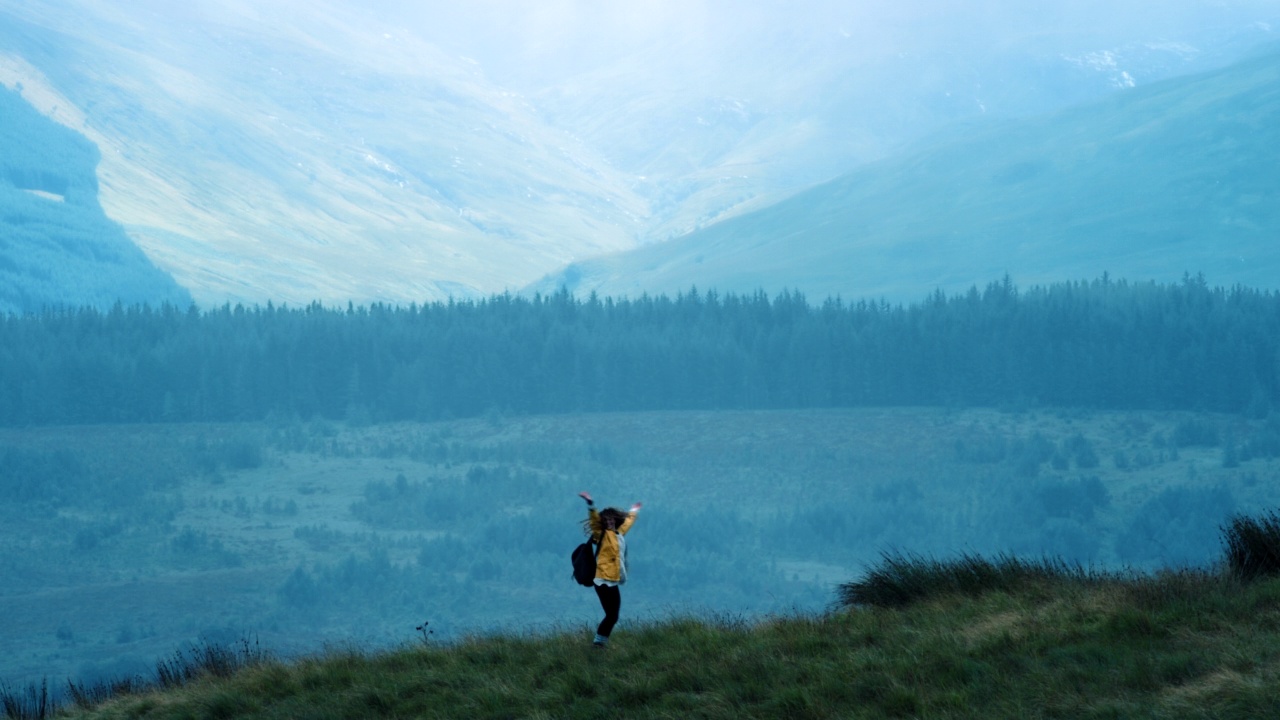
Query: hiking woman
[607, 529]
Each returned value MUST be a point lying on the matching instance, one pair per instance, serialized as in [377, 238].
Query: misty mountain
[57, 248]
[725, 123]
[260, 158]
[1149, 183]
[325, 150]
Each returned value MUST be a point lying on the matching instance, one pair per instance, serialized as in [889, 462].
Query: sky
[540, 41]
[531, 46]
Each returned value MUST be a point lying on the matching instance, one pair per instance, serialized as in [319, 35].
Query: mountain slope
[297, 152]
[57, 248]
[332, 150]
[717, 123]
[1153, 182]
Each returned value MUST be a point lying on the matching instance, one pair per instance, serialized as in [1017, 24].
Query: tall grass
[900, 580]
[33, 703]
[90, 695]
[199, 660]
[1253, 545]
[208, 659]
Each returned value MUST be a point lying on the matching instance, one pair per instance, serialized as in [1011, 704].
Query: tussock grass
[900, 580]
[198, 661]
[208, 659]
[1253, 545]
[33, 703]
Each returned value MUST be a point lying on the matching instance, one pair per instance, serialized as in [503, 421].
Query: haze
[294, 151]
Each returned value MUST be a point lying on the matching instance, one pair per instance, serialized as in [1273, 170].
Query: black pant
[611, 601]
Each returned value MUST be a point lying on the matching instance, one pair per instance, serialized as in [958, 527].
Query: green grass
[1175, 645]
[900, 580]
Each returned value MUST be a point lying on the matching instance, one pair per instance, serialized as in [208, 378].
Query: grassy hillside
[1175, 646]
[1150, 183]
[308, 534]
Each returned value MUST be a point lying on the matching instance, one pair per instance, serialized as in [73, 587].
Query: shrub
[1175, 528]
[1197, 431]
[1253, 545]
[1265, 443]
[900, 580]
[981, 448]
[1081, 451]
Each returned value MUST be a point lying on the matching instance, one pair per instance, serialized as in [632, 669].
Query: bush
[1081, 451]
[1175, 528]
[1253, 545]
[1198, 431]
[901, 580]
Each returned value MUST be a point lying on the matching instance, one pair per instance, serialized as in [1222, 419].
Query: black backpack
[584, 563]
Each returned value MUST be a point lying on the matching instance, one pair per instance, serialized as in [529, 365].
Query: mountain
[57, 248]
[732, 107]
[333, 150]
[291, 152]
[1149, 183]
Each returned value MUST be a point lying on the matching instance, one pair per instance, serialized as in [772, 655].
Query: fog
[544, 44]
[789, 58]
[782, 56]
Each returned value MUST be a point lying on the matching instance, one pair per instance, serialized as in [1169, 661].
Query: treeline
[1102, 344]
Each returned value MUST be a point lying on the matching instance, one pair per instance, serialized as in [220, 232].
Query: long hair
[617, 515]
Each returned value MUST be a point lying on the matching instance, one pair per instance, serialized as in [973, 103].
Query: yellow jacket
[610, 561]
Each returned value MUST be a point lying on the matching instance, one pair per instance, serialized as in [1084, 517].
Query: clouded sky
[548, 38]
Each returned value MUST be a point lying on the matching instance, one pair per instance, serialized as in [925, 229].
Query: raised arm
[593, 517]
[631, 518]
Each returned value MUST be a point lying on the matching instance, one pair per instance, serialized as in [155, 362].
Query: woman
[607, 529]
